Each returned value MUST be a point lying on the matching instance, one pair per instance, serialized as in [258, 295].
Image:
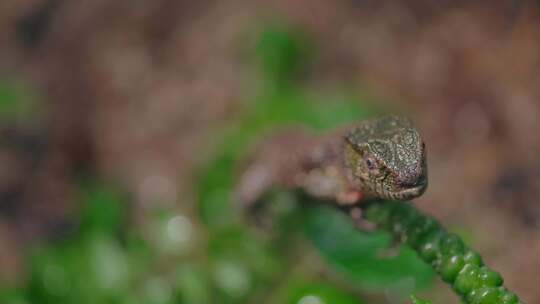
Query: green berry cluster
[456, 264]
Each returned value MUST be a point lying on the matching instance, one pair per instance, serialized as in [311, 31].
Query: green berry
[430, 246]
[402, 218]
[508, 297]
[402, 211]
[490, 278]
[472, 257]
[452, 244]
[398, 230]
[378, 214]
[485, 295]
[418, 229]
[446, 252]
[467, 279]
[450, 266]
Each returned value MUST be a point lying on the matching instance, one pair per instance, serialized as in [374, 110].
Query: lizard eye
[371, 163]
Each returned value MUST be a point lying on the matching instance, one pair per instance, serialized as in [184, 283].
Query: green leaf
[360, 255]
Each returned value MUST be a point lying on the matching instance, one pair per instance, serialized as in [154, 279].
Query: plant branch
[453, 261]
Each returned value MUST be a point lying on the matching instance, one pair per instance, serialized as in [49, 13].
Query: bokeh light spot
[311, 299]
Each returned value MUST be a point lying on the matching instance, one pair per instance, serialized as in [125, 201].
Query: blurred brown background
[135, 92]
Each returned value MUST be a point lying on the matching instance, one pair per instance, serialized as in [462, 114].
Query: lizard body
[377, 158]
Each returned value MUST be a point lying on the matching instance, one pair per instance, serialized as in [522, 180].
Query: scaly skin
[377, 158]
[386, 158]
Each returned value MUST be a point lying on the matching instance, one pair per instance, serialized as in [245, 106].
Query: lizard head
[386, 157]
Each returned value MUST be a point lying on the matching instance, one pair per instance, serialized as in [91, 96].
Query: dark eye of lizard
[371, 163]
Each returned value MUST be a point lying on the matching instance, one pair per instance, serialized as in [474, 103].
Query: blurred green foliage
[416, 300]
[301, 292]
[282, 54]
[9, 99]
[109, 258]
[16, 102]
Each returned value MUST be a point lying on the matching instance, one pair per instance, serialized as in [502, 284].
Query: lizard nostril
[412, 181]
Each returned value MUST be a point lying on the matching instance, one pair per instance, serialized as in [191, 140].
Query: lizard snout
[412, 180]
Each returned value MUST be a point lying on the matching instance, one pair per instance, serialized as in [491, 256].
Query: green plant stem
[455, 263]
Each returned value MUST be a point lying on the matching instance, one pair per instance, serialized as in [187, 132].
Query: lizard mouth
[410, 192]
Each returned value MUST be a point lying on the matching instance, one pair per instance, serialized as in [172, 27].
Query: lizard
[377, 158]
